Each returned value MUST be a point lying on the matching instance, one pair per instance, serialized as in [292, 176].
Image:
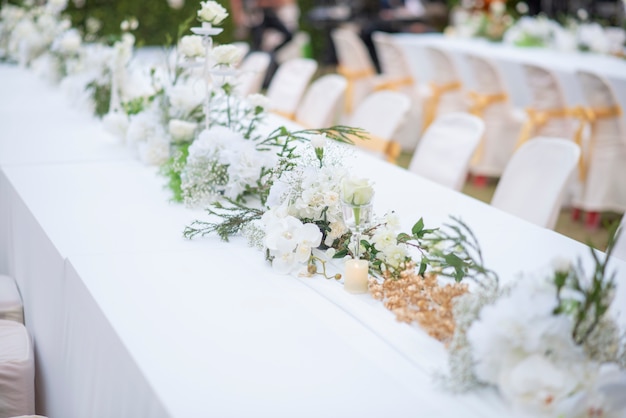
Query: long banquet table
[129, 319]
[509, 60]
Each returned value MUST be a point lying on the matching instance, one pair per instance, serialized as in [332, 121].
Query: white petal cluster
[523, 348]
[68, 43]
[212, 12]
[182, 131]
[184, 99]
[288, 240]
[147, 139]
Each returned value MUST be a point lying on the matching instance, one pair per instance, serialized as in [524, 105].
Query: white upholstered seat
[11, 307]
[394, 106]
[356, 65]
[252, 72]
[17, 370]
[533, 181]
[322, 102]
[397, 76]
[502, 123]
[444, 152]
[289, 84]
[604, 154]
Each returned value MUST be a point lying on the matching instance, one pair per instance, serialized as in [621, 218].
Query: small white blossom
[318, 141]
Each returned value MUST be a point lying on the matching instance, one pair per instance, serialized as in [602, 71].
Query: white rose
[176, 4]
[356, 191]
[212, 12]
[182, 131]
[226, 55]
[191, 46]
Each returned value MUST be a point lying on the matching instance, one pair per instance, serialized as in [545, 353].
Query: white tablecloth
[129, 319]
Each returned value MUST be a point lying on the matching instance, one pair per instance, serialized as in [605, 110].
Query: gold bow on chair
[351, 77]
[589, 115]
[394, 84]
[390, 148]
[438, 90]
[538, 118]
[286, 115]
[480, 103]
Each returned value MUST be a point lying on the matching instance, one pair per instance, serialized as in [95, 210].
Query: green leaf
[418, 227]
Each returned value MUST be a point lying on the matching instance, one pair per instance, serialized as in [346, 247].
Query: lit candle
[356, 277]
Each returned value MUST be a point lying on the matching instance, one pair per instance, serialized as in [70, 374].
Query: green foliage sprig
[234, 218]
[586, 301]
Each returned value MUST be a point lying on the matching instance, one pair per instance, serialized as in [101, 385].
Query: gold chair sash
[390, 148]
[394, 84]
[286, 115]
[589, 115]
[351, 77]
[480, 103]
[585, 115]
[431, 105]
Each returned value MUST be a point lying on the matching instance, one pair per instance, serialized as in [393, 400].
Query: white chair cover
[11, 307]
[17, 370]
[604, 186]
[502, 122]
[445, 72]
[294, 49]
[289, 84]
[368, 115]
[397, 76]
[356, 65]
[619, 250]
[547, 94]
[533, 182]
[443, 154]
[252, 72]
[323, 102]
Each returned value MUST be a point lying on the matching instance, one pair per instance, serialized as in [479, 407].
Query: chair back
[489, 101]
[444, 151]
[381, 115]
[289, 84]
[533, 181]
[252, 72]
[547, 94]
[601, 101]
[355, 64]
[393, 62]
[442, 64]
[486, 76]
[322, 102]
